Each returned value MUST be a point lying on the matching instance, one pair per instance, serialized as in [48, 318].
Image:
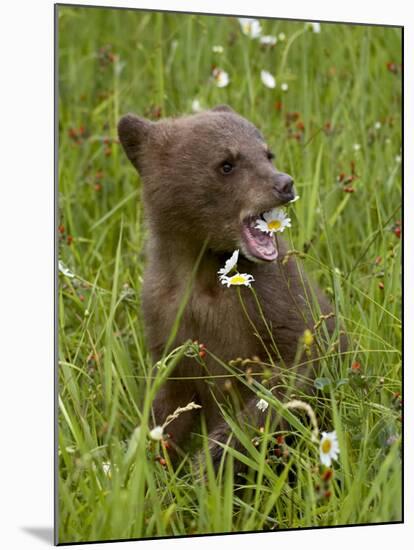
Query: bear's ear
[222, 108]
[133, 133]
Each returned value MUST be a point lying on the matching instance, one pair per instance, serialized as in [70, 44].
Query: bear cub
[206, 180]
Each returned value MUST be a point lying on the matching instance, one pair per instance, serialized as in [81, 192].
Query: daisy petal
[250, 27]
[230, 264]
[262, 405]
[221, 78]
[268, 79]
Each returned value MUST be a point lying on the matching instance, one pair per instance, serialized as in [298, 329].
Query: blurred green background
[334, 121]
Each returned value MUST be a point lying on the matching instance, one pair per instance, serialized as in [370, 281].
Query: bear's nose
[283, 185]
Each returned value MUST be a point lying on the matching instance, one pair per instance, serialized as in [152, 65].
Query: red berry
[327, 475]
[392, 67]
[356, 366]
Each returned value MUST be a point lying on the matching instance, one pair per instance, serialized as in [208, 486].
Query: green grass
[340, 86]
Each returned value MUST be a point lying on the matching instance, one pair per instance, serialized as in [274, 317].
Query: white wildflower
[275, 220]
[237, 280]
[262, 405]
[107, 469]
[268, 40]
[221, 78]
[314, 27]
[250, 27]
[156, 433]
[196, 106]
[268, 79]
[328, 448]
[65, 270]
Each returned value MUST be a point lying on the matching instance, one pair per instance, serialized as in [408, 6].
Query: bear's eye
[270, 155]
[227, 167]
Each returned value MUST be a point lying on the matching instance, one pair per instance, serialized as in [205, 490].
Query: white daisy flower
[196, 106]
[357, 147]
[221, 78]
[230, 264]
[156, 433]
[314, 27]
[377, 125]
[65, 270]
[398, 159]
[275, 220]
[237, 280]
[295, 199]
[262, 405]
[328, 448]
[250, 27]
[107, 469]
[284, 87]
[282, 36]
[217, 49]
[268, 40]
[268, 79]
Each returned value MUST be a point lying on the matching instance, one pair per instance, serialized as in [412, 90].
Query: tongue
[259, 244]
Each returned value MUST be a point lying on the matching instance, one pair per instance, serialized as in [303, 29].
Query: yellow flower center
[307, 337]
[275, 225]
[237, 279]
[326, 446]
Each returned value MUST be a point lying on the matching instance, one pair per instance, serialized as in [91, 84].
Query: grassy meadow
[334, 121]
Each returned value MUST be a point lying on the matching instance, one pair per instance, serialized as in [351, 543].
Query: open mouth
[259, 245]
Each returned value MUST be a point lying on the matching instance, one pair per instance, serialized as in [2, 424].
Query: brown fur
[188, 202]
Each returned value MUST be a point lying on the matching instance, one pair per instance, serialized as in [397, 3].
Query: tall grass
[337, 130]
